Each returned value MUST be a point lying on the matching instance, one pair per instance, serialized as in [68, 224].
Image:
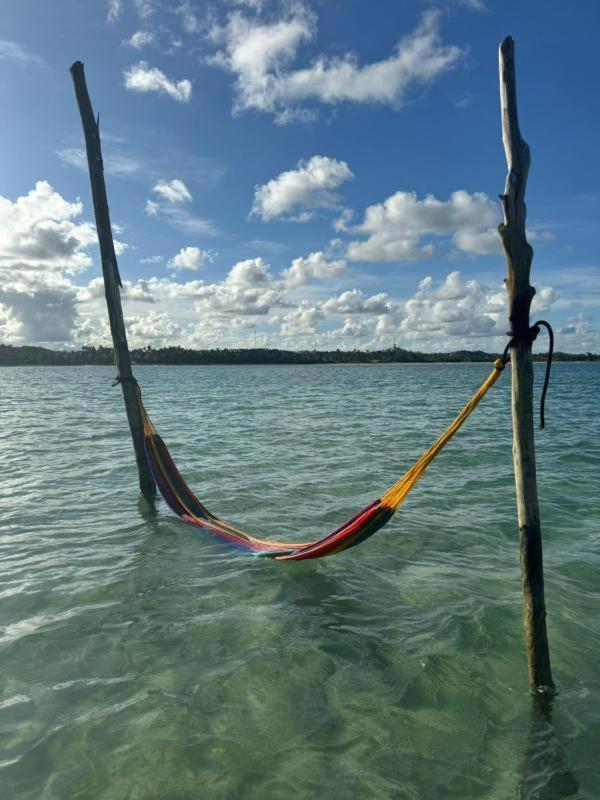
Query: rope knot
[528, 338]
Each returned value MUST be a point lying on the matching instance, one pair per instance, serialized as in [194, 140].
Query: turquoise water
[141, 660]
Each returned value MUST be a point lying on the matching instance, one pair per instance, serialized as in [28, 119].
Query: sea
[142, 659]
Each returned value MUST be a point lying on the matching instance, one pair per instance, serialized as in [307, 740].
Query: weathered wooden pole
[519, 254]
[112, 279]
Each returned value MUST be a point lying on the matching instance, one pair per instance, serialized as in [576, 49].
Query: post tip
[76, 66]
[507, 45]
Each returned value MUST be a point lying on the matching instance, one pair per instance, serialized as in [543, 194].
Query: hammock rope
[362, 525]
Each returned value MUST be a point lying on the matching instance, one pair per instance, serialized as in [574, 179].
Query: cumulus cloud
[453, 313]
[301, 321]
[37, 232]
[41, 246]
[154, 326]
[36, 312]
[174, 191]
[141, 77]
[395, 229]
[248, 289]
[315, 265]
[43, 243]
[140, 39]
[352, 328]
[355, 301]
[260, 55]
[188, 258]
[310, 186]
[307, 319]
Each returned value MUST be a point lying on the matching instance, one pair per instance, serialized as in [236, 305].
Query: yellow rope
[396, 494]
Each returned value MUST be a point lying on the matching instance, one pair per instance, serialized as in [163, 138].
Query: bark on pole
[519, 254]
[112, 279]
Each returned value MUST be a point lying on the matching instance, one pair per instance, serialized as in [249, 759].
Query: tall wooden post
[519, 255]
[112, 279]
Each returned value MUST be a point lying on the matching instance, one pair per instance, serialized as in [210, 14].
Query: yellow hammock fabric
[359, 527]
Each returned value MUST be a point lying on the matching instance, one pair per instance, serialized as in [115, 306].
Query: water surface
[143, 660]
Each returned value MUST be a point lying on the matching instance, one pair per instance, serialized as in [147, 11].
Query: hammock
[180, 498]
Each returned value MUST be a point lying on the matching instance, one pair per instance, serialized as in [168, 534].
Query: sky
[296, 173]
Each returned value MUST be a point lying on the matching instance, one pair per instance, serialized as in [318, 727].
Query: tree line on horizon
[28, 355]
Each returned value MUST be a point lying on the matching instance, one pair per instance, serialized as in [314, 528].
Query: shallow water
[141, 660]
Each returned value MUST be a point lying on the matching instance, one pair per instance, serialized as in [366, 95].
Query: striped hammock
[180, 498]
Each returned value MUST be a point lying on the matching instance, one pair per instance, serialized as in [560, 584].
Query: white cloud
[12, 51]
[174, 191]
[315, 265]
[464, 101]
[354, 301]
[474, 5]
[352, 328]
[41, 246]
[154, 326]
[485, 242]
[140, 39]
[395, 228]
[37, 232]
[454, 313]
[543, 299]
[37, 310]
[114, 163]
[259, 54]
[310, 186]
[139, 292]
[175, 194]
[114, 10]
[189, 20]
[141, 77]
[188, 258]
[247, 289]
[145, 8]
[187, 222]
[301, 321]
[579, 334]
[43, 243]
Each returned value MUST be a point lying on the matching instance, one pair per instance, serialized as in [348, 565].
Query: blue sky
[309, 174]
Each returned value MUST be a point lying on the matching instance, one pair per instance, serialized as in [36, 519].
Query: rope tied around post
[531, 336]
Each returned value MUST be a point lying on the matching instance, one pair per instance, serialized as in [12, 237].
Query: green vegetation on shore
[40, 356]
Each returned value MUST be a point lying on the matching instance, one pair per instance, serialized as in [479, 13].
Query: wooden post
[112, 279]
[519, 255]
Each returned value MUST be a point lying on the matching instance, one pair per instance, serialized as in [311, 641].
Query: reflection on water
[142, 660]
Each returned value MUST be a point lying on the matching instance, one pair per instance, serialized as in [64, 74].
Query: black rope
[548, 366]
[531, 337]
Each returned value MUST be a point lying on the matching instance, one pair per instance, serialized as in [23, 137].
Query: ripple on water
[143, 660]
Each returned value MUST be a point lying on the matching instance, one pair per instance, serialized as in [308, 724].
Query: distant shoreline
[13, 356]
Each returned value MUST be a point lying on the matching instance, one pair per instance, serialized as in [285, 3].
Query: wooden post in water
[112, 279]
[519, 254]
